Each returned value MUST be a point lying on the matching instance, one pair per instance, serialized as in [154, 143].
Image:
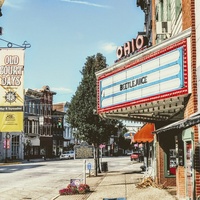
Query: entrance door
[189, 169]
[15, 147]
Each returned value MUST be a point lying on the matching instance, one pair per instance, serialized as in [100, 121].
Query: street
[43, 179]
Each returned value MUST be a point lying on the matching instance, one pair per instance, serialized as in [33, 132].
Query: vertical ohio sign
[11, 89]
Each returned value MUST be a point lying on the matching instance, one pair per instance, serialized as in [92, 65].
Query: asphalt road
[43, 179]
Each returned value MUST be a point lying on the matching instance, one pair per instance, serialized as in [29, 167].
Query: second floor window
[178, 8]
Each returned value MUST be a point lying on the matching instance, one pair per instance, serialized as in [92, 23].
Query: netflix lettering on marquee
[11, 72]
[132, 46]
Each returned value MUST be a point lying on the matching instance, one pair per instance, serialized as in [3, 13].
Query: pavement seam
[125, 186]
[96, 185]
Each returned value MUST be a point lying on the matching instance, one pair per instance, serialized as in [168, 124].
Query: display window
[171, 162]
[189, 168]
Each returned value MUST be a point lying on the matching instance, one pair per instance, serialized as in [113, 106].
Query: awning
[144, 134]
[182, 124]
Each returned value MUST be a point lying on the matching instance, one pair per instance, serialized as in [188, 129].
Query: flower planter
[73, 189]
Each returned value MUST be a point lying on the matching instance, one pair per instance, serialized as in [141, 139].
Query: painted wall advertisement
[11, 89]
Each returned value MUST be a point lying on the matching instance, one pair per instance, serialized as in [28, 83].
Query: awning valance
[144, 134]
[182, 124]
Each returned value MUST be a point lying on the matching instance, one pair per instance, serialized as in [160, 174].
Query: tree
[81, 115]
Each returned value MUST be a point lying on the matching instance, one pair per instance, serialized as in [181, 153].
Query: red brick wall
[180, 179]
[189, 21]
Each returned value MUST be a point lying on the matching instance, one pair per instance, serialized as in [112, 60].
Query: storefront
[145, 137]
[11, 146]
[184, 153]
[154, 86]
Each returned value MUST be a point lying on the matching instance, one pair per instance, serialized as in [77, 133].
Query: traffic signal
[59, 124]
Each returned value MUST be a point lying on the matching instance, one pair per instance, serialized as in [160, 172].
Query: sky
[63, 33]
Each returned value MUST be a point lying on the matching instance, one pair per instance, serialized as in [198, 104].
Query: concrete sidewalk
[118, 185]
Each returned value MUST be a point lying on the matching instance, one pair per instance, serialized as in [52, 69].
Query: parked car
[137, 156]
[67, 155]
[128, 153]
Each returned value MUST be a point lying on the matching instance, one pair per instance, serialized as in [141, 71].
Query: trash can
[104, 166]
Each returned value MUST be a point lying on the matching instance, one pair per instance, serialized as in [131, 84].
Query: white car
[67, 155]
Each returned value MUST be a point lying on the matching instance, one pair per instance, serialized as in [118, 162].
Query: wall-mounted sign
[157, 76]
[131, 46]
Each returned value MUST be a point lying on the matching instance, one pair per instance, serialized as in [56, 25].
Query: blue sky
[63, 33]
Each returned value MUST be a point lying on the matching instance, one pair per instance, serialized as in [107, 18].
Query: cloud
[86, 3]
[13, 4]
[62, 90]
[108, 47]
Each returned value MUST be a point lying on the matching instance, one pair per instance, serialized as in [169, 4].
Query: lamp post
[1, 4]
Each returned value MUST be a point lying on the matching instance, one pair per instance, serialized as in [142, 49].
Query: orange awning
[144, 134]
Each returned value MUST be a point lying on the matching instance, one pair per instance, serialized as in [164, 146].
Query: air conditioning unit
[163, 28]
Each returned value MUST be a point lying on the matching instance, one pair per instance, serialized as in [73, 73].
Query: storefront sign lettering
[133, 83]
[11, 72]
[132, 46]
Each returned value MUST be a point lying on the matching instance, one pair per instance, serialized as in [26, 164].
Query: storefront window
[171, 162]
[189, 164]
[15, 147]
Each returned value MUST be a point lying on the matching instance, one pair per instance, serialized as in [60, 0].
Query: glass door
[189, 169]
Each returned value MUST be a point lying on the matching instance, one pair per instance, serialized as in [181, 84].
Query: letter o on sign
[120, 52]
[139, 42]
[11, 60]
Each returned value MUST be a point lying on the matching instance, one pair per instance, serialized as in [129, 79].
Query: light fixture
[1, 3]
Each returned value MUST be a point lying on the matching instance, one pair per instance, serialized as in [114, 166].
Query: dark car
[137, 156]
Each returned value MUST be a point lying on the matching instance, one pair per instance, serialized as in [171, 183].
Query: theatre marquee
[158, 75]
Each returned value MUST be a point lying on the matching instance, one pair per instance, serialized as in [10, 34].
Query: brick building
[38, 122]
[154, 81]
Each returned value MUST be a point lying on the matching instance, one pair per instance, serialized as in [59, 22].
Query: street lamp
[1, 4]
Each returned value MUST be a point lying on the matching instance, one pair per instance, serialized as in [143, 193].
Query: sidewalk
[119, 185]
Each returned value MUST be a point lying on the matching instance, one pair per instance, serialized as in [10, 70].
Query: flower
[63, 191]
[73, 189]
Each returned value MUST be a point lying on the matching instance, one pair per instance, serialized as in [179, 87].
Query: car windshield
[67, 152]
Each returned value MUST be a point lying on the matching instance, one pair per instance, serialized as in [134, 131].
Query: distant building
[68, 137]
[32, 116]
[38, 123]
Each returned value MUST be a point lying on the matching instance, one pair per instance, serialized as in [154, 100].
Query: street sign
[75, 182]
[101, 146]
[84, 150]
[89, 166]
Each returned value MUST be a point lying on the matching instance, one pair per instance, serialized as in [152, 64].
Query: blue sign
[89, 166]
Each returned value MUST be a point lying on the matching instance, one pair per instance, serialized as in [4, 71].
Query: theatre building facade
[154, 81]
